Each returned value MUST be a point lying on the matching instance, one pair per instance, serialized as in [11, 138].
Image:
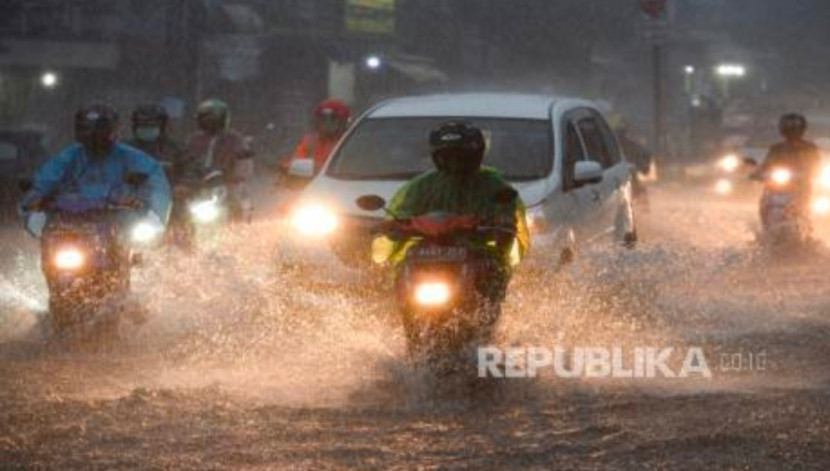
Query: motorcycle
[449, 287]
[784, 210]
[202, 205]
[87, 252]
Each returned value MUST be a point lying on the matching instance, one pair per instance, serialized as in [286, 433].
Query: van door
[585, 200]
[599, 149]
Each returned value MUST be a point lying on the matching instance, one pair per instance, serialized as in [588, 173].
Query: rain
[228, 307]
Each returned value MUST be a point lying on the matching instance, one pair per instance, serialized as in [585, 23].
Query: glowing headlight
[730, 163]
[824, 178]
[314, 220]
[781, 176]
[145, 232]
[821, 205]
[432, 294]
[69, 259]
[723, 186]
[205, 211]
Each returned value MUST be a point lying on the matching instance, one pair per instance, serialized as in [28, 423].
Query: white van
[559, 153]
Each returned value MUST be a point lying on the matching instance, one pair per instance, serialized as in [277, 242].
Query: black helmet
[96, 128]
[792, 126]
[457, 147]
[213, 116]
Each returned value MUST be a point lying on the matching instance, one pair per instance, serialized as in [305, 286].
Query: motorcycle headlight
[69, 258]
[314, 220]
[723, 186]
[729, 163]
[781, 176]
[205, 211]
[432, 294]
[145, 232]
[821, 205]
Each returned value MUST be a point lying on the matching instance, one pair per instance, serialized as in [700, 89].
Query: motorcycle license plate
[434, 253]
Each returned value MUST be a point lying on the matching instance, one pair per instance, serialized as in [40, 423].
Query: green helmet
[213, 115]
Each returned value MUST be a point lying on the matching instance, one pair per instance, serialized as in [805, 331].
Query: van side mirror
[587, 172]
[371, 203]
[301, 168]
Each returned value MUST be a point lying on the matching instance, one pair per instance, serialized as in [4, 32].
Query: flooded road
[239, 364]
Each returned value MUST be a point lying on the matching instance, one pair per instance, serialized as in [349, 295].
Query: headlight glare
[314, 220]
[144, 232]
[432, 294]
[69, 258]
[205, 211]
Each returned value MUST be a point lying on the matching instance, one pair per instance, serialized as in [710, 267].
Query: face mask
[147, 133]
[329, 127]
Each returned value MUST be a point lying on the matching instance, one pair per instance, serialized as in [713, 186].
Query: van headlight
[314, 220]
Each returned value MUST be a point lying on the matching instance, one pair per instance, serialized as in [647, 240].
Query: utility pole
[656, 32]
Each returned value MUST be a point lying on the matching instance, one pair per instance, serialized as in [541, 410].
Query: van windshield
[398, 148]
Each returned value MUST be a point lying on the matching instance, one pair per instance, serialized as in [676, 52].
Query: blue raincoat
[73, 172]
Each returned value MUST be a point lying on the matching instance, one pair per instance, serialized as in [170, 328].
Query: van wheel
[630, 240]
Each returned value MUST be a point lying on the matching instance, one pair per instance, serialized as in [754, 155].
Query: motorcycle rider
[800, 156]
[331, 118]
[461, 185]
[215, 146]
[150, 135]
[149, 126]
[96, 167]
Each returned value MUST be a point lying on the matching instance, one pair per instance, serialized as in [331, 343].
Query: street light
[49, 80]
[727, 72]
[689, 69]
[730, 70]
[373, 62]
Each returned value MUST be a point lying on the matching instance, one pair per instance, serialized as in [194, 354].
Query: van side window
[610, 141]
[595, 142]
[574, 152]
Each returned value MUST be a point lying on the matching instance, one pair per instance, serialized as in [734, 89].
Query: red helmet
[335, 108]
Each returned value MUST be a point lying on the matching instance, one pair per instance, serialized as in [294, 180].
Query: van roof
[480, 105]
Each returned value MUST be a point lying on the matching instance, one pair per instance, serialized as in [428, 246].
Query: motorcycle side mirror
[505, 196]
[24, 185]
[371, 203]
[136, 178]
[301, 168]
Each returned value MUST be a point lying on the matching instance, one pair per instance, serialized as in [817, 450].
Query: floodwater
[235, 362]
